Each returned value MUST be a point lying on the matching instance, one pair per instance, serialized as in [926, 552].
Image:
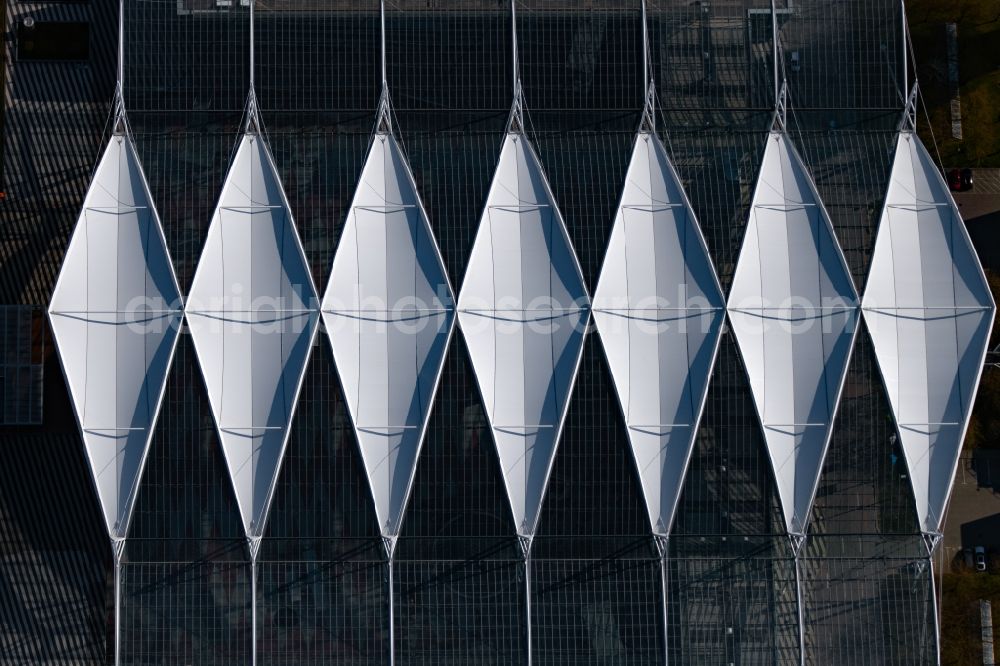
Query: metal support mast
[516, 124]
[254, 545]
[525, 543]
[648, 123]
[252, 121]
[118, 550]
[909, 95]
[390, 551]
[120, 127]
[119, 121]
[663, 547]
[931, 541]
[648, 126]
[779, 84]
[383, 124]
[253, 542]
[516, 121]
[798, 541]
[906, 47]
[908, 124]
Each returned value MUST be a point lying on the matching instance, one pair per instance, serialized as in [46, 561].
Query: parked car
[966, 179]
[955, 180]
[960, 180]
[980, 559]
[796, 61]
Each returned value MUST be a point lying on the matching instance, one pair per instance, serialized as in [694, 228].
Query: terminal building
[600, 332]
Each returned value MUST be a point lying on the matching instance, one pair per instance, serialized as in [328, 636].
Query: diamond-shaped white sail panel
[389, 313]
[523, 310]
[793, 310]
[929, 312]
[251, 311]
[659, 310]
[252, 369]
[115, 313]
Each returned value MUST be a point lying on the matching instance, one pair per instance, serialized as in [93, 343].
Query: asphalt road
[981, 211]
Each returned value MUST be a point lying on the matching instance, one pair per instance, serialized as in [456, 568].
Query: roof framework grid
[389, 314]
[252, 315]
[115, 313]
[929, 312]
[659, 310]
[793, 309]
[523, 310]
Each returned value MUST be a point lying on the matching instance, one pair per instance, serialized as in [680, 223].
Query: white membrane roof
[929, 312]
[659, 310]
[252, 316]
[523, 310]
[389, 313]
[115, 314]
[793, 310]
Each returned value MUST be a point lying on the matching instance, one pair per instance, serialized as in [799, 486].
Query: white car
[980, 559]
[796, 61]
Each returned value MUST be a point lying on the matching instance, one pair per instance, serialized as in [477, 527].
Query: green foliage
[961, 637]
[979, 77]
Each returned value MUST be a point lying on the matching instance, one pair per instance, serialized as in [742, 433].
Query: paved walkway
[974, 511]
[987, 181]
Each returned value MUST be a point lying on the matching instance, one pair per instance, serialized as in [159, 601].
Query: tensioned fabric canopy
[659, 310]
[523, 311]
[389, 313]
[793, 310]
[115, 314]
[929, 312]
[252, 316]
